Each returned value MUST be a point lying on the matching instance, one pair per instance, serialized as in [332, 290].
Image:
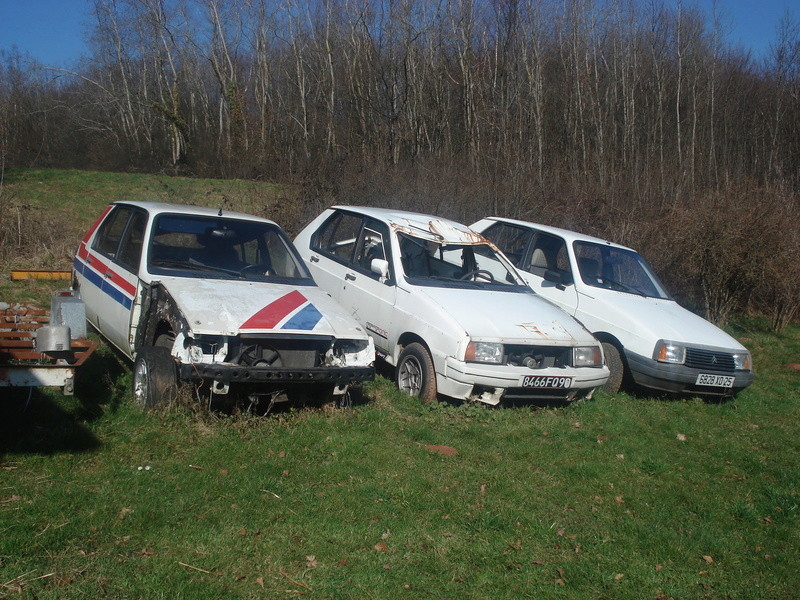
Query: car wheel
[616, 366]
[415, 373]
[155, 381]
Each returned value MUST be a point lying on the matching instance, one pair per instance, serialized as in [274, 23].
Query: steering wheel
[476, 272]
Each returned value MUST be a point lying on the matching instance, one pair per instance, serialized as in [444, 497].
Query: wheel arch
[620, 381]
[160, 316]
[409, 337]
[609, 338]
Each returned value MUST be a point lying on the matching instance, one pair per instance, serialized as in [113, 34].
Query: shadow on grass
[42, 421]
[102, 382]
[34, 422]
[640, 393]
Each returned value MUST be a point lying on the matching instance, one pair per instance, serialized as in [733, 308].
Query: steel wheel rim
[140, 383]
[410, 377]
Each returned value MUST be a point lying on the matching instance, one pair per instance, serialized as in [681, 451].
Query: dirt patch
[443, 450]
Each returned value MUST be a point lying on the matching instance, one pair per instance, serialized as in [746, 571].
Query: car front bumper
[493, 383]
[680, 379]
[233, 374]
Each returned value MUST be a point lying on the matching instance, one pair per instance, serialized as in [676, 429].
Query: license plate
[725, 381]
[545, 382]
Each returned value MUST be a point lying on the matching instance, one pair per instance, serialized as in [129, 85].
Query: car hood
[654, 319]
[221, 307]
[508, 316]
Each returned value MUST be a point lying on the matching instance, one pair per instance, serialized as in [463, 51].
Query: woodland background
[634, 121]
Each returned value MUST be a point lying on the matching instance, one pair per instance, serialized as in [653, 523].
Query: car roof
[420, 225]
[155, 208]
[569, 236]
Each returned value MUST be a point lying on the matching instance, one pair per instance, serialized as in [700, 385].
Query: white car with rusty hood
[447, 309]
[648, 338]
[218, 298]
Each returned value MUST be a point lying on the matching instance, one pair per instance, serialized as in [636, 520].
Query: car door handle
[108, 274]
[314, 259]
[350, 277]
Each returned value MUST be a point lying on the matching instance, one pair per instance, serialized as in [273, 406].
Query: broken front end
[264, 364]
[277, 364]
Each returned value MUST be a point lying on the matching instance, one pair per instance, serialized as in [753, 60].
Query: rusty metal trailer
[36, 352]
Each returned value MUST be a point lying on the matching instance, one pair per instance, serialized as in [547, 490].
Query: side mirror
[557, 277]
[380, 267]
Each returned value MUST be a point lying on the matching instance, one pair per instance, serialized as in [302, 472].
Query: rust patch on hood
[532, 328]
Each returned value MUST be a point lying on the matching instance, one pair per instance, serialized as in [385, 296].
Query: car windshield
[617, 269]
[439, 264]
[221, 248]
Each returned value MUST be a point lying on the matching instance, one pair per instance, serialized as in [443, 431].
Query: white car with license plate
[447, 309]
[220, 299]
[648, 338]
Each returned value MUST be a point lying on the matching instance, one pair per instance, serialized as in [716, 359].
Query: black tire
[616, 366]
[415, 373]
[155, 381]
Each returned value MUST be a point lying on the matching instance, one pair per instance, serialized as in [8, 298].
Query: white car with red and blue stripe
[218, 298]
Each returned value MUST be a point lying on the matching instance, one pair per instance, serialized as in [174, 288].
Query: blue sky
[53, 31]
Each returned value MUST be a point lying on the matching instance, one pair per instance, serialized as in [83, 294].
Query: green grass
[619, 497]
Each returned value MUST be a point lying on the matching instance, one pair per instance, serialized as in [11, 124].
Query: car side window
[373, 244]
[109, 234]
[548, 253]
[338, 236]
[130, 251]
[512, 240]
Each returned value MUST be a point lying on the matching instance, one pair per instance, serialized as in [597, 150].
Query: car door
[370, 294]
[332, 250]
[108, 275]
[543, 261]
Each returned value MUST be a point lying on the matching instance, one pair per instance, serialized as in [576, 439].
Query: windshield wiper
[216, 269]
[624, 286]
[193, 265]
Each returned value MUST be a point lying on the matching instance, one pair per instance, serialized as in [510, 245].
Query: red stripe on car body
[103, 269]
[97, 223]
[274, 312]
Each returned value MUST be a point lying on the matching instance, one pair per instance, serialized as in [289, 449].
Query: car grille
[709, 360]
[543, 357]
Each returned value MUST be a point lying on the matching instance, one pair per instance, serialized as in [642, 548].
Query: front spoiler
[241, 374]
[679, 379]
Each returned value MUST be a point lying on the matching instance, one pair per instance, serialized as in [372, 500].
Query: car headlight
[670, 352]
[587, 356]
[742, 361]
[485, 352]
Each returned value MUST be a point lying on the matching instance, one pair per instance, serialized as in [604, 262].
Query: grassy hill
[621, 497]
[45, 212]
